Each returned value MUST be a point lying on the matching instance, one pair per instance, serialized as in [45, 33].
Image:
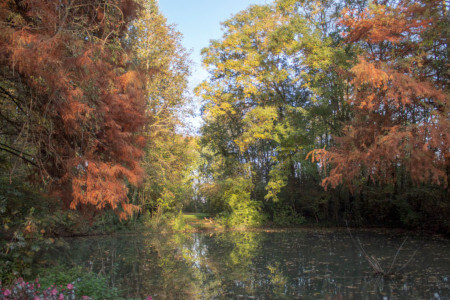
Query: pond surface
[299, 264]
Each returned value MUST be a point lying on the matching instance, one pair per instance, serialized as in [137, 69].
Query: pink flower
[36, 298]
[70, 286]
[61, 297]
[54, 292]
[7, 293]
[149, 298]
[85, 298]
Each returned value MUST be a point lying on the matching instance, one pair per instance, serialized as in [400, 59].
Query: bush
[244, 212]
[286, 216]
[85, 283]
[18, 255]
[179, 223]
[61, 283]
[32, 290]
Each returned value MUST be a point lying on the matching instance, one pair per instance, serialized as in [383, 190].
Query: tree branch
[19, 155]
[13, 99]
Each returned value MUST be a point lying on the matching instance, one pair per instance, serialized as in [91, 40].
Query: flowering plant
[31, 291]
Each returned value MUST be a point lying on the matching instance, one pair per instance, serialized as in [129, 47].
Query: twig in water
[407, 263]
[370, 259]
[374, 262]
[396, 254]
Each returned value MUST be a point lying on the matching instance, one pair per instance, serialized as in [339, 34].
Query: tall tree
[168, 155]
[399, 98]
[276, 85]
[72, 101]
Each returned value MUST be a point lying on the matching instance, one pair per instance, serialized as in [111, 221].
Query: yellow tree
[169, 154]
[273, 88]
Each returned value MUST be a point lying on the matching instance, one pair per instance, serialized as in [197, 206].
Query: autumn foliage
[399, 99]
[73, 102]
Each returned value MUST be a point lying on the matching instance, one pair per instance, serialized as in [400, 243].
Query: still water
[294, 264]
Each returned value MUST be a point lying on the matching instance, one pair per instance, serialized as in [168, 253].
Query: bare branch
[19, 155]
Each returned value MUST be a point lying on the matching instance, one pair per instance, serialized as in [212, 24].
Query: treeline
[319, 111]
[328, 111]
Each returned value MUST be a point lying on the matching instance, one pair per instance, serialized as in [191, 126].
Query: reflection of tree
[277, 278]
[265, 265]
[232, 255]
[206, 283]
[205, 266]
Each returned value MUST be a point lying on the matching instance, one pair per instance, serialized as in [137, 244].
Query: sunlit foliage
[169, 155]
[276, 91]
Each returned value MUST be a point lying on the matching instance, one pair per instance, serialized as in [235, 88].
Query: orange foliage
[381, 23]
[399, 99]
[87, 112]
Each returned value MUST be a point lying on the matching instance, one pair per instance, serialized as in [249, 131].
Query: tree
[72, 100]
[276, 88]
[169, 155]
[399, 97]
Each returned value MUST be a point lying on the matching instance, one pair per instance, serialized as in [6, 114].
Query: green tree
[169, 156]
[277, 90]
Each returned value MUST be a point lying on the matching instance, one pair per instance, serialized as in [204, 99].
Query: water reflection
[264, 265]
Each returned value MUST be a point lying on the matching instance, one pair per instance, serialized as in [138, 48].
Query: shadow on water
[264, 265]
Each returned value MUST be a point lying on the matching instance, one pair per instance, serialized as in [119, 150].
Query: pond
[293, 264]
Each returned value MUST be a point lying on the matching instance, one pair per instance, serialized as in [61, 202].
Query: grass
[198, 216]
[200, 221]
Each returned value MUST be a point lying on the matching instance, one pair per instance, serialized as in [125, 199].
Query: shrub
[85, 283]
[31, 290]
[245, 212]
[285, 216]
[179, 223]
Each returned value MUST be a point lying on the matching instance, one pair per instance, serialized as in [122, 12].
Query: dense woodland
[315, 112]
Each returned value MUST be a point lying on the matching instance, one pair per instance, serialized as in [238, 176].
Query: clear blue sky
[199, 22]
